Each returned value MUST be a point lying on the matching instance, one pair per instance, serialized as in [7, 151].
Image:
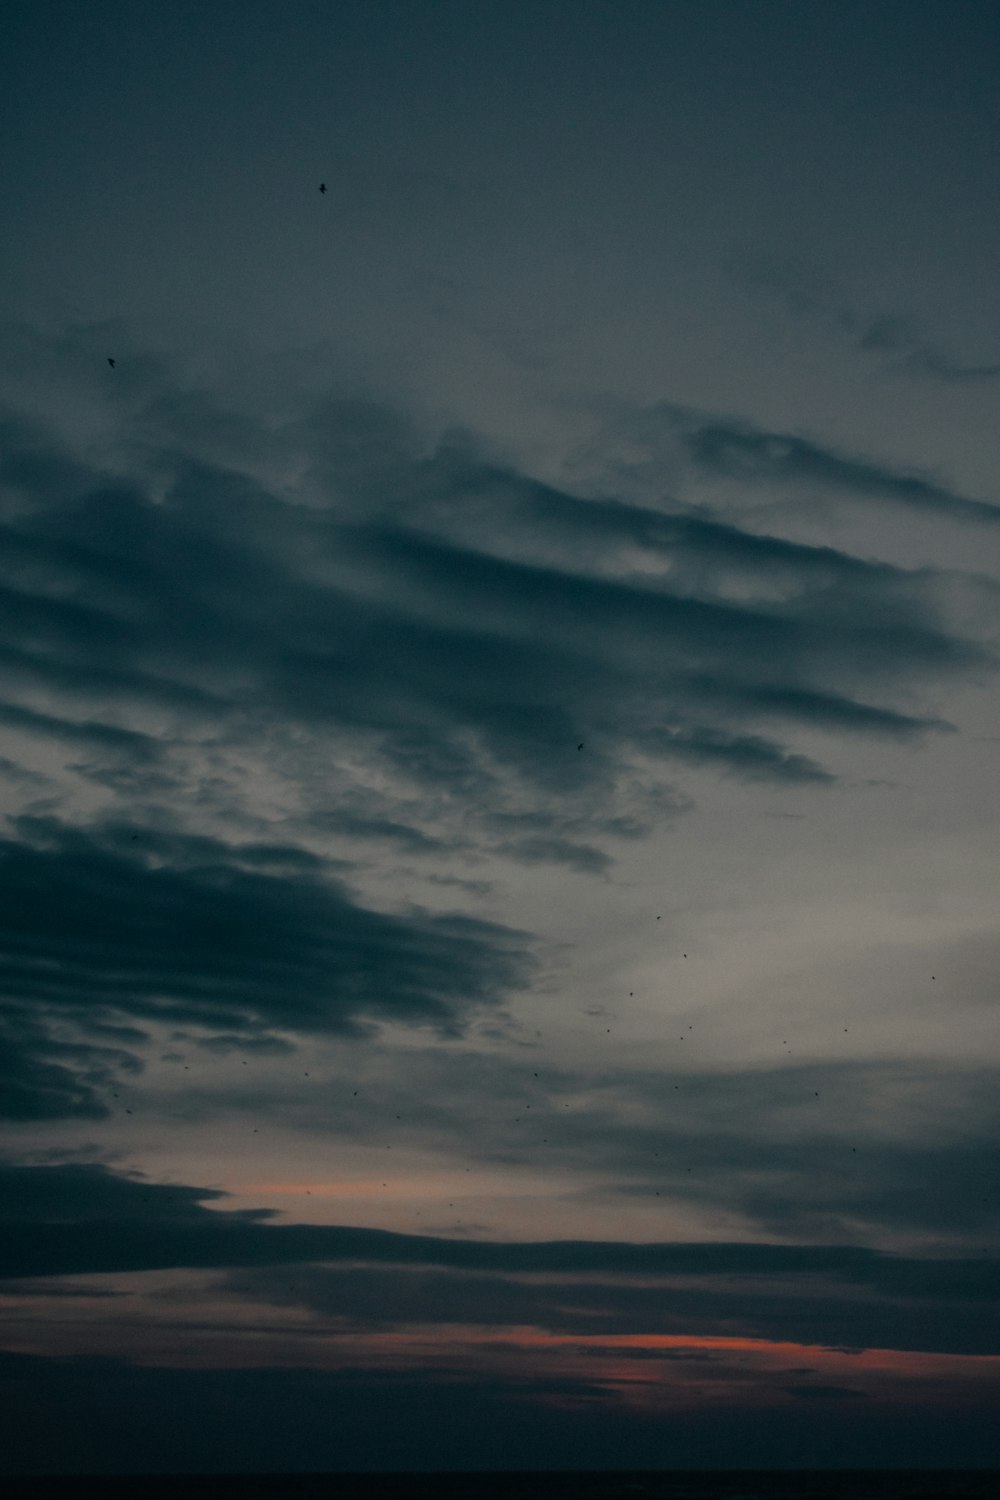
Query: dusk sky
[499, 749]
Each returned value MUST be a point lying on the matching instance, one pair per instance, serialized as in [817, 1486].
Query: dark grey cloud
[359, 826]
[89, 734]
[45, 1288]
[82, 1194]
[80, 1190]
[752, 455]
[805, 1160]
[701, 1296]
[548, 849]
[746, 755]
[99, 924]
[922, 1186]
[113, 1417]
[461, 624]
[825, 710]
[292, 668]
[816, 1151]
[823, 1392]
[412, 641]
[43, 1077]
[74, 1218]
[684, 1355]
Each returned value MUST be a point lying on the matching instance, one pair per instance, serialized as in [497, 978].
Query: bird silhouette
[322, 187]
[111, 362]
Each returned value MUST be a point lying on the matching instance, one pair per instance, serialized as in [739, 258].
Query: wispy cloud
[896, 338]
[741, 451]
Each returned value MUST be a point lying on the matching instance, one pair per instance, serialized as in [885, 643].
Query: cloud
[805, 706]
[912, 353]
[542, 849]
[747, 755]
[823, 1392]
[822, 1150]
[840, 1149]
[76, 1218]
[667, 1293]
[926, 359]
[89, 734]
[114, 1416]
[44, 1078]
[755, 456]
[250, 657]
[454, 621]
[249, 940]
[896, 337]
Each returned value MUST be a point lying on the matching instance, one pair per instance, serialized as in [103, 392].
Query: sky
[498, 735]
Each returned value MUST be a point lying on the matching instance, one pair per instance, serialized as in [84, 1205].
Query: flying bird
[322, 187]
[111, 362]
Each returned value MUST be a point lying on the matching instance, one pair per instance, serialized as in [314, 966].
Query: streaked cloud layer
[498, 750]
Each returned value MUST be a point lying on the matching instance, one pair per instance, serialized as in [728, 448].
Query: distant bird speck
[579, 747]
[322, 187]
[111, 362]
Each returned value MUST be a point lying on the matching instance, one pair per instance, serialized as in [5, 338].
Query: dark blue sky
[499, 740]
